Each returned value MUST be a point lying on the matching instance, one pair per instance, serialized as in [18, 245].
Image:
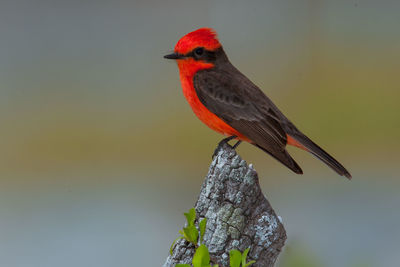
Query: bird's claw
[223, 142]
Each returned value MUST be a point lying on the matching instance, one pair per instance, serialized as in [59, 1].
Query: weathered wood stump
[238, 215]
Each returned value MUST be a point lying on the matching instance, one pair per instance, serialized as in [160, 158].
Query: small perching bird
[229, 103]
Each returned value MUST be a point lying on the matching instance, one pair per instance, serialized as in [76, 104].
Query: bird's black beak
[174, 56]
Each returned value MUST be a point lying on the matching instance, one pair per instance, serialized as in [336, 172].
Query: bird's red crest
[203, 37]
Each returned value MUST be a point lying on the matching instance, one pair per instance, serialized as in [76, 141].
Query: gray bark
[238, 215]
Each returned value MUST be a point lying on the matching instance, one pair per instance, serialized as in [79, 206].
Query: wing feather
[236, 100]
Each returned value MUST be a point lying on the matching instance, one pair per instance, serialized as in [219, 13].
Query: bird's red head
[191, 49]
[203, 37]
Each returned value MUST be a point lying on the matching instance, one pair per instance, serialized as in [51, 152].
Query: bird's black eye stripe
[199, 51]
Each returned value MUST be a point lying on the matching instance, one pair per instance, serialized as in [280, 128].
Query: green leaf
[190, 217]
[202, 257]
[173, 243]
[202, 226]
[191, 234]
[182, 265]
[234, 258]
[249, 263]
[244, 256]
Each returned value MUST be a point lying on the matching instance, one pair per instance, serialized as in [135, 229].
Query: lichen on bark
[238, 215]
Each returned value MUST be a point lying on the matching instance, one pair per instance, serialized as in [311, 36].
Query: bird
[229, 103]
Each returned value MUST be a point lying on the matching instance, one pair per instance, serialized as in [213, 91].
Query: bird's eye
[199, 51]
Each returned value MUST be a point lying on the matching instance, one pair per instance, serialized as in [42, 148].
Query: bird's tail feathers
[284, 158]
[321, 154]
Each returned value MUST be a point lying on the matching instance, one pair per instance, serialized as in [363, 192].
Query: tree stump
[238, 215]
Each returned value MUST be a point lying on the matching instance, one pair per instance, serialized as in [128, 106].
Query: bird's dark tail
[284, 158]
[318, 152]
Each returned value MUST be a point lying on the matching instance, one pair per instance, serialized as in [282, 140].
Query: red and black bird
[229, 103]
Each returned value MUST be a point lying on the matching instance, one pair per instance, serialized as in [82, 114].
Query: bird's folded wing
[242, 105]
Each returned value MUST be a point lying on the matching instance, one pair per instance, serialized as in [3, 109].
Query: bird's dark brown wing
[236, 100]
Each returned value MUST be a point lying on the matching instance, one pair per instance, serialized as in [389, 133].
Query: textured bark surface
[238, 215]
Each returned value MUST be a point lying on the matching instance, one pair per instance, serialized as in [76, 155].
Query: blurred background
[101, 154]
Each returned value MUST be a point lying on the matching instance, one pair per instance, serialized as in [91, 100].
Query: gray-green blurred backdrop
[100, 154]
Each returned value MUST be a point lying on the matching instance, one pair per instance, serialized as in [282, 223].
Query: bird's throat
[188, 67]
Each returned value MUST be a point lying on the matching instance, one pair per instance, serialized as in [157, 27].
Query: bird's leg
[237, 144]
[224, 141]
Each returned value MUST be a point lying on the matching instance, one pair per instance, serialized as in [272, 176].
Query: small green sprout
[237, 259]
[190, 232]
[202, 226]
[201, 257]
